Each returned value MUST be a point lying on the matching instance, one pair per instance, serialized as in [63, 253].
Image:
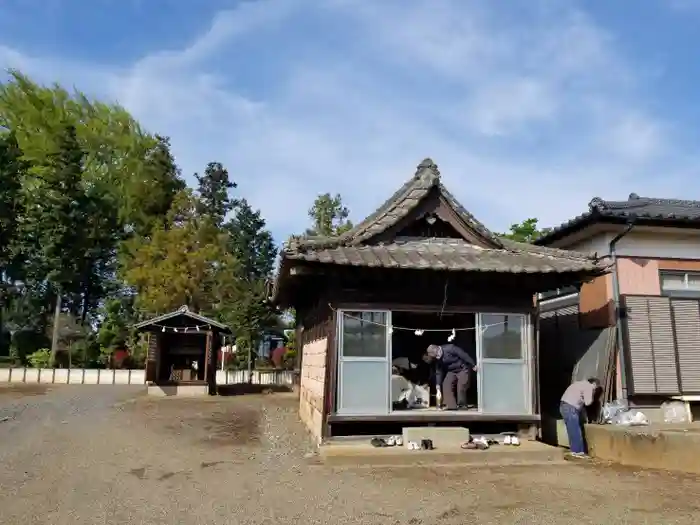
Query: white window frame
[681, 292]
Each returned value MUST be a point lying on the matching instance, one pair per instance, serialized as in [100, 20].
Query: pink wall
[638, 276]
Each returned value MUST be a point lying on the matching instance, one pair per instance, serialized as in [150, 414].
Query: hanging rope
[417, 331]
[182, 329]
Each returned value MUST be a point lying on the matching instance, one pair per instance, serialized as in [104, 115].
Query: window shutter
[651, 350]
[686, 317]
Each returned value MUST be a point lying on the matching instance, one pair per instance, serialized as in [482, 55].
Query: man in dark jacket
[453, 367]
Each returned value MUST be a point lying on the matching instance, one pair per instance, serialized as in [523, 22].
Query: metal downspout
[618, 313]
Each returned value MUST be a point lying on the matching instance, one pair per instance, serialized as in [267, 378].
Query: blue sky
[529, 107]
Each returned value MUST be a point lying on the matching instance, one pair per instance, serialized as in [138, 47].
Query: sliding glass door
[364, 350]
[503, 356]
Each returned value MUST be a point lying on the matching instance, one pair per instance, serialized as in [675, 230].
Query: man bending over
[452, 373]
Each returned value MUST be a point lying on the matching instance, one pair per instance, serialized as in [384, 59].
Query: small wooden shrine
[182, 351]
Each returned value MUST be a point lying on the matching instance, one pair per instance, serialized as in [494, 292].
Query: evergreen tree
[213, 191]
[11, 172]
[329, 216]
[53, 229]
[250, 242]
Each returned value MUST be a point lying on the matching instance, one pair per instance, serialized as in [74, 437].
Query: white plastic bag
[674, 412]
[632, 418]
[612, 410]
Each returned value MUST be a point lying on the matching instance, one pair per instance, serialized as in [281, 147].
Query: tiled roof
[502, 255]
[397, 207]
[641, 209]
[450, 255]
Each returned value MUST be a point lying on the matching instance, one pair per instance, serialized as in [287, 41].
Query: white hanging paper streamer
[452, 336]
[418, 332]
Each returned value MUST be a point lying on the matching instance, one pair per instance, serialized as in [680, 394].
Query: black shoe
[463, 407]
[379, 442]
[427, 444]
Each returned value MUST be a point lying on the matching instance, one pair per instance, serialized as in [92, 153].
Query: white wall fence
[89, 376]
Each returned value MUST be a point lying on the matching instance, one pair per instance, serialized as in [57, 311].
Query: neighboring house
[655, 245]
[420, 270]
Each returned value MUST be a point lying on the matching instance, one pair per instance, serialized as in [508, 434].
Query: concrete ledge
[669, 447]
[361, 453]
[178, 390]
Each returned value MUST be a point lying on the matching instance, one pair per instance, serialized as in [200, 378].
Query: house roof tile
[641, 209]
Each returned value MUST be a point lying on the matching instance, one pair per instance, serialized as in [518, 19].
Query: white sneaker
[481, 442]
[412, 445]
[515, 441]
[398, 440]
[507, 440]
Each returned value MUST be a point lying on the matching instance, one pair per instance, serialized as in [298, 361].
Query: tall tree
[130, 176]
[54, 224]
[213, 191]
[250, 242]
[184, 262]
[253, 248]
[526, 231]
[149, 198]
[329, 216]
[11, 172]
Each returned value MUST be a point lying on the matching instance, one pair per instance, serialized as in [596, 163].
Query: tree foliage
[329, 217]
[98, 230]
[525, 231]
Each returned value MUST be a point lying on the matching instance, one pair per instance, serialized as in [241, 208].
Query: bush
[40, 358]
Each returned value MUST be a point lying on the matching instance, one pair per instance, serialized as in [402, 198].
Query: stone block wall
[312, 387]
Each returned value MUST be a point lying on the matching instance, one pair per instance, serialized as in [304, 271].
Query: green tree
[526, 231]
[329, 216]
[12, 170]
[115, 330]
[184, 262]
[250, 242]
[54, 224]
[252, 246]
[129, 178]
[213, 191]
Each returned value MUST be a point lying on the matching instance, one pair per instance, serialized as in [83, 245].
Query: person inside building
[580, 394]
[453, 367]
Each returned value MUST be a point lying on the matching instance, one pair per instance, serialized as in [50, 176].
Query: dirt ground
[109, 454]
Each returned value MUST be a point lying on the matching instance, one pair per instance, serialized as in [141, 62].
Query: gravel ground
[84, 455]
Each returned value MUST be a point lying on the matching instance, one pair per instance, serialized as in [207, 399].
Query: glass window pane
[503, 388]
[501, 336]
[364, 387]
[672, 281]
[693, 281]
[364, 334]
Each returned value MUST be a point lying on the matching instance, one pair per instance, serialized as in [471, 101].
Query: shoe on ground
[481, 443]
[507, 440]
[379, 442]
[515, 441]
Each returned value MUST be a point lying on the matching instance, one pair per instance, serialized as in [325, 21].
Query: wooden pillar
[151, 357]
[209, 371]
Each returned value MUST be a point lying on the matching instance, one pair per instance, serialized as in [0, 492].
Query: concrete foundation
[360, 453]
[667, 447]
[178, 390]
[441, 436]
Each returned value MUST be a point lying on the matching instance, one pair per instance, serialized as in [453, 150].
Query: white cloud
[527, 115]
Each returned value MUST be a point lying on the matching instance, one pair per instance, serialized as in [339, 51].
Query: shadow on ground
[241, 389]
[208, 421]
[22, 390]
